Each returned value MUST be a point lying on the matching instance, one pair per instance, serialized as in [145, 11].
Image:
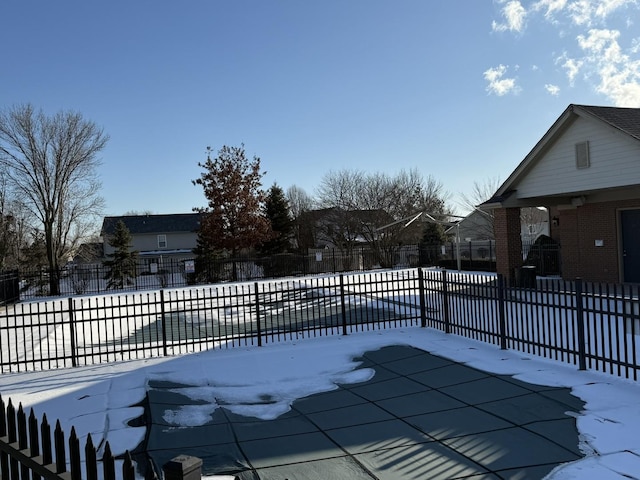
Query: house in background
[334, 227]
[586, 171]
[156, 237]
[478, 226]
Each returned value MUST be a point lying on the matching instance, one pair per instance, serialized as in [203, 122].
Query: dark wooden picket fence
[28, 452]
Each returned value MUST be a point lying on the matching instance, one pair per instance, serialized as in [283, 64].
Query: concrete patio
[420, 416]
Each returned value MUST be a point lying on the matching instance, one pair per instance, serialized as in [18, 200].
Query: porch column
[507, 225]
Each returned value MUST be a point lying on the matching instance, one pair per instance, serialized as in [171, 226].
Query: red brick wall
[569, 244]
[580, 228]
[506, 224]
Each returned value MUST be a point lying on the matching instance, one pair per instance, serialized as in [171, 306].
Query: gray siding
[149, 242]
[614, 157]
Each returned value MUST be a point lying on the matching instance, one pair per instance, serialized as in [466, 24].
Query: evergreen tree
[277, 211]
[433, 237]
[35, 259]
[122, 262]
[208, 268]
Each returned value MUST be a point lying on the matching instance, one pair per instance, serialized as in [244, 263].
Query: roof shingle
[149, 224]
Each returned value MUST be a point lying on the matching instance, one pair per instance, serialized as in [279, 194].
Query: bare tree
[365, 203]
[300, 204]
[51, 163]
[481, 192]
[299, 200]
[339, 223]
[482, 223]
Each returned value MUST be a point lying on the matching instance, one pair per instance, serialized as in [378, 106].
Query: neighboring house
[156, 237]
[338, 228]
[586, 171]
[89, 253]
[478, 226]
[534, 222]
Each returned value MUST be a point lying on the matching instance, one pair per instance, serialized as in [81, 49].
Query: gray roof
[627, 120]
[150, 224]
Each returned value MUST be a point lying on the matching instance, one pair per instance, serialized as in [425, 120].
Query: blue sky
[459, 89]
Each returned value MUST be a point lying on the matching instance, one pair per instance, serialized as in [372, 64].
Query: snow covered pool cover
[396, 412]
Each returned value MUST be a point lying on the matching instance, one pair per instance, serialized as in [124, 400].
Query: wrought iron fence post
[72, 329]
[98, 283]
[12, 435]
[501, 312]
[343, 307]
[582, 355]
[91, 460]
[423, 307]
[75, 466]
[22, 438]
[164, 323]
[108, 463]
[58, 441]
[258, 328]
[445, 303]
[4, 456]
[34, 443]
[128, 468]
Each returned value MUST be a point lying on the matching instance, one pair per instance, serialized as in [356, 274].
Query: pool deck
[421, 416]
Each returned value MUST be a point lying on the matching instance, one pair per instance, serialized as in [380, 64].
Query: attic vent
[582, 155]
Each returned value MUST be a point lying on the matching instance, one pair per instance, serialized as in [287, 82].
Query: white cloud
[499, 85]
[571, 66]
[578, 12]
[581, 12]
[550, 7]
[514, 15]
[552, 89]
[588, 12]
[603, 8]
[619, 75]
[597, 55]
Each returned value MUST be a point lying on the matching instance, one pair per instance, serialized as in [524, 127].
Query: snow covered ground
[101, 399]
[98, 399]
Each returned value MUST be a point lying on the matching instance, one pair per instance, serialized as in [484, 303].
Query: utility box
[525, 276]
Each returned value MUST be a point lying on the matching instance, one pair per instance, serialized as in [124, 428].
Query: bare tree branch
[51, 163]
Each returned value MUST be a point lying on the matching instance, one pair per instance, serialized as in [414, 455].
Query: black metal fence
[154, 273]
[28, 452]
[9, 287]
[84, 279]
[594, 326]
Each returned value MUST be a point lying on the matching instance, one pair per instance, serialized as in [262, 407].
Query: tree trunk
[54, 271]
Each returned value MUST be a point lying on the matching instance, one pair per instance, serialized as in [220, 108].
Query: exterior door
[630, 222]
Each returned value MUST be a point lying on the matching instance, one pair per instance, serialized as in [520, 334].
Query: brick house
[586, 171]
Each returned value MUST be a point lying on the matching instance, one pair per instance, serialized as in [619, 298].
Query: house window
[582, 155]
[162, 241]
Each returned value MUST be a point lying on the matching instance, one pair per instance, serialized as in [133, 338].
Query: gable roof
[623, 120]
[626, 120]
[151, 224]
